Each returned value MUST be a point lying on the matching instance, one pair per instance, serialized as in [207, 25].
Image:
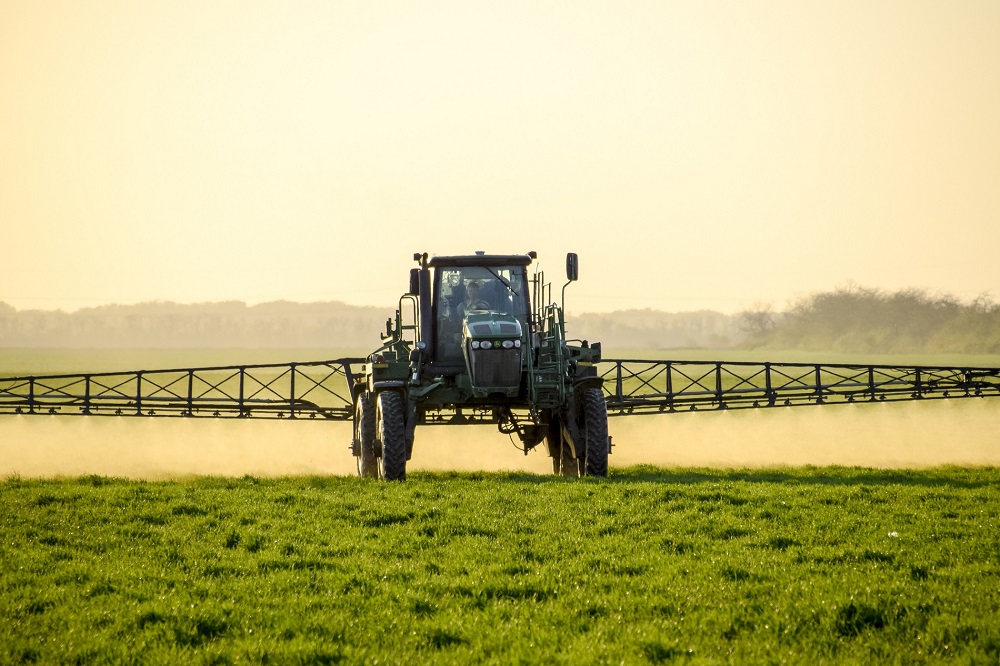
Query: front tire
[364, 433]
[595, 431]
[392, 434]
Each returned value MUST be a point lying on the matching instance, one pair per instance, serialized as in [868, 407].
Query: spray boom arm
[324, 389]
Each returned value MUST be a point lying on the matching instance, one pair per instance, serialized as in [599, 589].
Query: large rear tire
[392, 434]
[595, 431]
[364, 433]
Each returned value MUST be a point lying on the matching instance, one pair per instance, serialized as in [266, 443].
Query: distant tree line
[863, 320]
[849, 319]
[282, 324]
[653, 329]
[165, 325]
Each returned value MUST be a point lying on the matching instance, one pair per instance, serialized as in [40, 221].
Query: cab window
[458, 290]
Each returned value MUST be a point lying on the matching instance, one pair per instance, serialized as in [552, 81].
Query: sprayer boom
[323, 389]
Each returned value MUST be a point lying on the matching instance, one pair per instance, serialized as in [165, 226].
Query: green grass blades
[802, 565]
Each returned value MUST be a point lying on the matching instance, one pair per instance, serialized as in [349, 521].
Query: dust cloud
[49, 446]
[902, 435]
[959, 432]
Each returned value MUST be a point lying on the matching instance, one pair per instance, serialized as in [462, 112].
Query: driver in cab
[473, 299]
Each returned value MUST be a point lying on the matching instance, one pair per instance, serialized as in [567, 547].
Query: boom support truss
[323, 389]
[638, 386]
[319, 389]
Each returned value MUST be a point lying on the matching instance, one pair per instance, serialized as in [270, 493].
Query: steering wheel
[478, 305]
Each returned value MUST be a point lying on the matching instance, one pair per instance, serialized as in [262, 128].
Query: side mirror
[414, 281]
[572, 267]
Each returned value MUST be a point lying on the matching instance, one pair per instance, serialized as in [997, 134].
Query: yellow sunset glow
[696, 155]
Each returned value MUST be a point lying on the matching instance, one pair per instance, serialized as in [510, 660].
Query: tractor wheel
[392, 434]
[595, 432]
[364, 433]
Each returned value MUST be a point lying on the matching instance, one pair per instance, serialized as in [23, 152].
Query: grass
[806, 565]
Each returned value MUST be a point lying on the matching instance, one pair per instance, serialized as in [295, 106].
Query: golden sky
[695, 154]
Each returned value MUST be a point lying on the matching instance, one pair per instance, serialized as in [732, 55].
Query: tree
[757, 320]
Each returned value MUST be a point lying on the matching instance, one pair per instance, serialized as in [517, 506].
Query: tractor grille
[496, 367]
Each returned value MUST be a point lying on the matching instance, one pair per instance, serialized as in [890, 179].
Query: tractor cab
[479, 316]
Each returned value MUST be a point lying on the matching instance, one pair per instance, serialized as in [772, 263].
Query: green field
[805, 565]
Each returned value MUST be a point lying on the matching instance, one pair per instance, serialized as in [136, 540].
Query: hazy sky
[696, 154]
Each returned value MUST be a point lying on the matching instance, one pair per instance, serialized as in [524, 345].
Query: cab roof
[481, 260]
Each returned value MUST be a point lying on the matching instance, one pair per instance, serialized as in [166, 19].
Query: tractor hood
[484, 325]
[491, 343]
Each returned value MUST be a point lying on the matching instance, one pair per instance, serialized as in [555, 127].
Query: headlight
[485, 344]
[475, 344]
[508, 344]
[517, 344]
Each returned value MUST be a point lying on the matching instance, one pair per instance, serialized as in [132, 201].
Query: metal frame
[324, 389]
[317, 389]
[643, 386]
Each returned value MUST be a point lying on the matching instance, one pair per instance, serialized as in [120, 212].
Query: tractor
[475, 339]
